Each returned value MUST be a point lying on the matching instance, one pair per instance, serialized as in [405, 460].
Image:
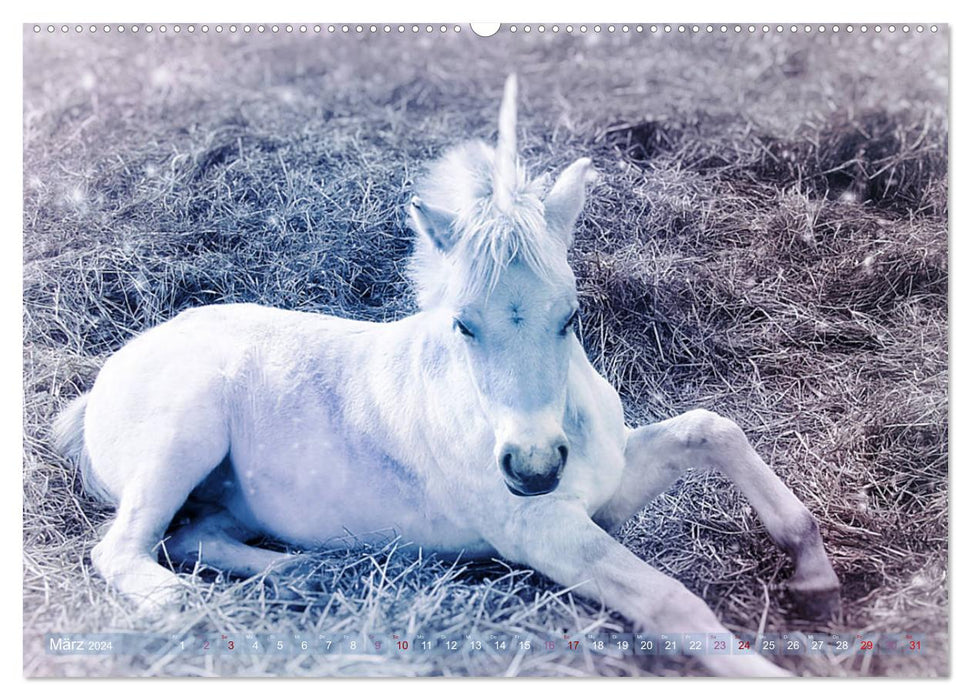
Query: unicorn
[477, 425]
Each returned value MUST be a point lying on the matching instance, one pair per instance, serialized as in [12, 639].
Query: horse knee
[704, 429]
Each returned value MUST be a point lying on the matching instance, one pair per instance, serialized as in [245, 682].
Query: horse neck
[417, 382]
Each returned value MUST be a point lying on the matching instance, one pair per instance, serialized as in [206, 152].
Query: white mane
[494, 224]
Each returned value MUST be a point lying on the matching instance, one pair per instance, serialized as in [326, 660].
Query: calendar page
[558, 350]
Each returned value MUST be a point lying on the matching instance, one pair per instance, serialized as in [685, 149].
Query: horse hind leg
[124, 557]
[161, 473]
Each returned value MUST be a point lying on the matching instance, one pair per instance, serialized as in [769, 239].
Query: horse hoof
[161, 603]
[281, 592]
[295, 579]
[817, 604]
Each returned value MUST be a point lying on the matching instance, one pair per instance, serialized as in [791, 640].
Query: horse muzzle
[533, 472]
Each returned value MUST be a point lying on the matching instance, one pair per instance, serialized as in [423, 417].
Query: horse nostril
[506, 463]
[564, 453]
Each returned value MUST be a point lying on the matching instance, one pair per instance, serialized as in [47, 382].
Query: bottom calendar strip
[614, 644]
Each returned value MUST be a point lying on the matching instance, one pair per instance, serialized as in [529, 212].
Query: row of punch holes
[480, 30]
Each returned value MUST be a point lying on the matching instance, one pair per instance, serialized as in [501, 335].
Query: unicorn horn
[504, 184]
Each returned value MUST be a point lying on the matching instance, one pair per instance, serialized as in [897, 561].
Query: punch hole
[484, 29]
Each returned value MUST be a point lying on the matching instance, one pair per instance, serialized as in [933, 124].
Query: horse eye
[463, 329]
[571, 323]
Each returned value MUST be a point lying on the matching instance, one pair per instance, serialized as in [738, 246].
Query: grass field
[768, 239]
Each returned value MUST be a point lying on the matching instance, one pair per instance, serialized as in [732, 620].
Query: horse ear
[565, 200]
[434, 224]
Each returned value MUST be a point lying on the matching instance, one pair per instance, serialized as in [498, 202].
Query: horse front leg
[557, 538]
[658, 454]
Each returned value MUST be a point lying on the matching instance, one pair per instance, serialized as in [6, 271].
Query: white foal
[477, 424]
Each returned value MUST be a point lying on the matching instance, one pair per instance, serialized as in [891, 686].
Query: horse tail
[504, 172]
[68, 438]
